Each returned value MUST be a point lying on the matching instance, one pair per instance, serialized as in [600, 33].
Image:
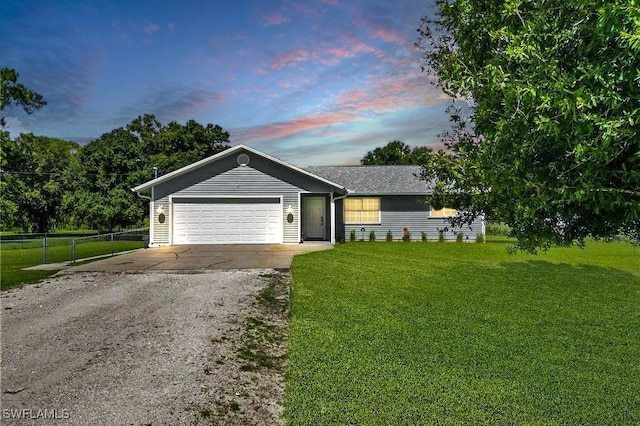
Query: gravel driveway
[134, 349]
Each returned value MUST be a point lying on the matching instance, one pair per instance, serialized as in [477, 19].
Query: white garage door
[227, 221]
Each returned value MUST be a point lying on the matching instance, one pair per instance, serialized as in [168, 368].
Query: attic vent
[243, 159]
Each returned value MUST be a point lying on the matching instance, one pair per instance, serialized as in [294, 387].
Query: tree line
[49, 183]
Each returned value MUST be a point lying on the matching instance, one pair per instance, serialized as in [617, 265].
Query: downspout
[144, 197]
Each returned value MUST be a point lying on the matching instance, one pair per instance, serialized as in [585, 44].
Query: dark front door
[314, 218]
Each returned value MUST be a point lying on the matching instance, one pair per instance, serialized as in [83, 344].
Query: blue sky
[311, 82]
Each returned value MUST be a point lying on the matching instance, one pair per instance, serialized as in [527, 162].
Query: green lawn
[12, 260]
[426, 333]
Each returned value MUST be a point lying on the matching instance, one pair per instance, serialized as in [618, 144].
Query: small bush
[389, 235]
[479, 237]
[352, 235]
[460, 237]
[498, 228]
[406, 235]
[424, 237]
[372, 235]
[441, 236]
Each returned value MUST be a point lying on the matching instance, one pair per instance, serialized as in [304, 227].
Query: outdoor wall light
[160, 209]
[289, 209]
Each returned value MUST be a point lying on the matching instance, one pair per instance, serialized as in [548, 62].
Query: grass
[12, 261]
[427, 333]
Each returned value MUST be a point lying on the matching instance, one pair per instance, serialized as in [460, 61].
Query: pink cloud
[340, 52]
[275, 19]
[292, 127]
[382, 31]
[389, 35]
[290, 57]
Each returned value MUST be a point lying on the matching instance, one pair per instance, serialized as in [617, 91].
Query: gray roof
[375, 180]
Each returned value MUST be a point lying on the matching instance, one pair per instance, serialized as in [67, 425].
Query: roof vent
[243, 159]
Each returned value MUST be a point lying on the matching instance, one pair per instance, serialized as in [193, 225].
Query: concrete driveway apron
[198, 258]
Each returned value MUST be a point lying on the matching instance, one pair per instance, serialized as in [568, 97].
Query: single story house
[243, 196]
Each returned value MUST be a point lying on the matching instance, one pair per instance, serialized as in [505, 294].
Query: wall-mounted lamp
[160, 209]
[289, 209]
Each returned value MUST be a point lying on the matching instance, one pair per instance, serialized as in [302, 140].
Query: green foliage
[551, 146]
[352, 235]
[402, 335]
[497, 228]
[109, 167]
[372, 235]
[13, 93]
[395, 152]
[389, 235]
[34, 180]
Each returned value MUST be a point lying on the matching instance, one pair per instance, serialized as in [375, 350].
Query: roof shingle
[375, 180]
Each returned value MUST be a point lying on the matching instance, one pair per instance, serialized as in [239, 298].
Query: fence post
[73, 250]
[112, 244]
[44, 250]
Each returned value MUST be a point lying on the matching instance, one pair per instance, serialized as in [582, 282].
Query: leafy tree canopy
[110, 166]
[13, 93]
[552, 143]
[34, 180]
[395, 152]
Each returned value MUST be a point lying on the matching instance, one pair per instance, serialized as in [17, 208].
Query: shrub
[479, 237]
[460, 237]
[406, 235]
[389, 235]
[372, 235]
[441, 236]
[352, 235]
[424, 237]
[498, 228]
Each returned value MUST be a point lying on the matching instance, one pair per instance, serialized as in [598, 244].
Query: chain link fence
[54, 249]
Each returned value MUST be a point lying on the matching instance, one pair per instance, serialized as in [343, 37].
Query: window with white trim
[443, 212]
[362, 210]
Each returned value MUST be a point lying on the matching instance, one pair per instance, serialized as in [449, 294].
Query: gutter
[144, 197]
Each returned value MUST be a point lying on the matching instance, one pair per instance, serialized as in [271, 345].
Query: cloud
[275, 19]
[290, 57]
[389, 35]
[291, 127]
[151, 28]
[171, 103]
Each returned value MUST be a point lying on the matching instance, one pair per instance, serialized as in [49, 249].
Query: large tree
[395, 152]
[551, 144]
[128, 156]
[13, 94]
[33, 181]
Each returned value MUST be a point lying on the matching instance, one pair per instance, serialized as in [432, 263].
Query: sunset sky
[311, 82]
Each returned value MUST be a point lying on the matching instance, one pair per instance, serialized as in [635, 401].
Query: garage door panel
[227, 221]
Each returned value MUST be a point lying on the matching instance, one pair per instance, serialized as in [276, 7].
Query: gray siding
[398, 212]
[262, 177]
